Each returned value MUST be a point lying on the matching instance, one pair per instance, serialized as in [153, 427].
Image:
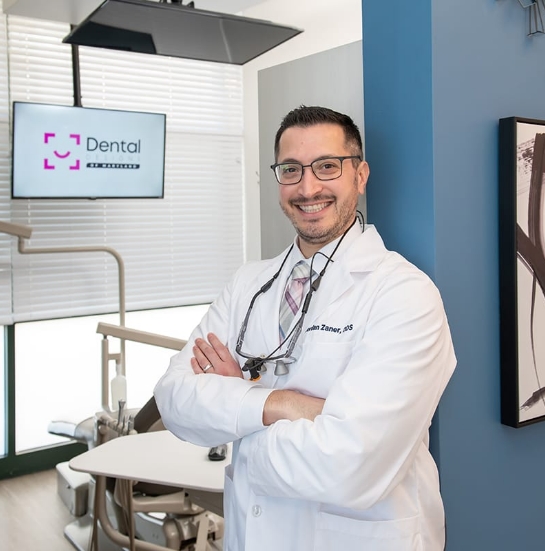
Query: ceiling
[74, 11]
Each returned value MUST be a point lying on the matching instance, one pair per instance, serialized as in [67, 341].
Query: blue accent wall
[438, 74]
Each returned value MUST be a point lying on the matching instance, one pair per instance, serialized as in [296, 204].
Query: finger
[202, 360]
[195, 366]
[208, 351]
[221, 350]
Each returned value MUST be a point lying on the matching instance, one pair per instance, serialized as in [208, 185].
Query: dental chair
[162, 515]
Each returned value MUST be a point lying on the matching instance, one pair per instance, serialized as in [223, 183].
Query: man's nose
[309, 184]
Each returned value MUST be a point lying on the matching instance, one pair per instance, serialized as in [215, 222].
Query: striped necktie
[293, 296]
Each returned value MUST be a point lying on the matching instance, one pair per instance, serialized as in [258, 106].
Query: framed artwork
[522, 270]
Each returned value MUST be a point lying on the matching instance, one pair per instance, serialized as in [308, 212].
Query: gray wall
[438, 76]
[332, 79]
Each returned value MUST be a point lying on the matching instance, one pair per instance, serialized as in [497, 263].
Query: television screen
[64, 152]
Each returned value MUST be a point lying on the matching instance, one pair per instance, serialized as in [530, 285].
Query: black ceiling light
[172, 29]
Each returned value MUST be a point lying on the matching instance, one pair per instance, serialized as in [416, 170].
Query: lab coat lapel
[363, 255]
[335, 282]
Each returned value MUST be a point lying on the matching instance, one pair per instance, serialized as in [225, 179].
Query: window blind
[178, 250]
[5, 240]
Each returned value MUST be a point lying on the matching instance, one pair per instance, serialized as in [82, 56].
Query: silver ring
[206, 368]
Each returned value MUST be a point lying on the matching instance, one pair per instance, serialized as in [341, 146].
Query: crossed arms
[280, 404]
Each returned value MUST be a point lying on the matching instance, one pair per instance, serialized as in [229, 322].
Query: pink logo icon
[48, 165]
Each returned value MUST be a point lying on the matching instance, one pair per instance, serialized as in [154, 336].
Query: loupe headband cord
[361, 218]
[253, 364]
[263, 289]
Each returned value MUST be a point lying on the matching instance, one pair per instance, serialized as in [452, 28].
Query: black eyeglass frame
[339, 158]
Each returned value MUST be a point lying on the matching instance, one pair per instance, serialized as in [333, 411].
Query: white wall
[326, 25]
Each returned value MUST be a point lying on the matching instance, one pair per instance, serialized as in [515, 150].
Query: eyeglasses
[328, 168]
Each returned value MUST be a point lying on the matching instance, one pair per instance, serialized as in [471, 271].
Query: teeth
[313, 208]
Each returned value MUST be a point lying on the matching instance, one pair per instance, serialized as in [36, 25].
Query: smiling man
[324, 367]
[321, 202]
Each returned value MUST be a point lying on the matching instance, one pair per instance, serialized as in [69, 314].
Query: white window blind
[178, 250]
[5, 240]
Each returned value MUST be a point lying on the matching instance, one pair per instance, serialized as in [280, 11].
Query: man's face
[319, 210]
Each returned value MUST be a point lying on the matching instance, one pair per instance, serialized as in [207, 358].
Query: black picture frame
[522, 270]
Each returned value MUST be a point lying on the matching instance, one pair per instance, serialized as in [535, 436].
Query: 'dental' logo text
[113, 154]
[50, 163]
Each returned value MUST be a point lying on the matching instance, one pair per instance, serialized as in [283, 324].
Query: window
[178, 250]
[57, 368]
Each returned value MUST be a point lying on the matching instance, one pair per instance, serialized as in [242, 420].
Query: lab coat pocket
[336, 532]
[325, 361]
[322, 349]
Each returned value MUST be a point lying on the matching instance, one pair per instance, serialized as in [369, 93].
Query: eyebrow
[292, 160]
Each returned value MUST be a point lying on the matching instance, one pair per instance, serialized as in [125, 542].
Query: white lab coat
[376, 345]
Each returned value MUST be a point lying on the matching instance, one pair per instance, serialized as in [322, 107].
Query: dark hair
[309, 116]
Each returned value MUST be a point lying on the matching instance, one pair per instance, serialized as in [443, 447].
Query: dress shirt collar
[319, 259]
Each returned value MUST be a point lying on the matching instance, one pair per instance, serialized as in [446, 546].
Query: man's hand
[215, 354]
[291, 405]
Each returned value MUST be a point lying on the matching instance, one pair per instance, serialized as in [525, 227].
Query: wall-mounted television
[64, 152]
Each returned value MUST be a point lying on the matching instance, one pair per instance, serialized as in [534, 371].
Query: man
[332, 455]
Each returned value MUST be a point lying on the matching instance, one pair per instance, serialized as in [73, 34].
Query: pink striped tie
[293, 296]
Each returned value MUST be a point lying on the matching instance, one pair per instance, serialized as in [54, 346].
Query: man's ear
[362, 175]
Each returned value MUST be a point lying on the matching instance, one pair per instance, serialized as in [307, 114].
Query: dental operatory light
[172, 29]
